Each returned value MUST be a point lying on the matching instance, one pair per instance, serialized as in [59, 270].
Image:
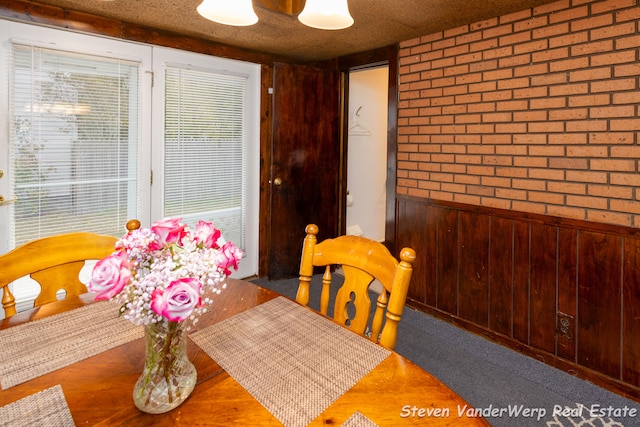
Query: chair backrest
[362, 260]
[55, 263]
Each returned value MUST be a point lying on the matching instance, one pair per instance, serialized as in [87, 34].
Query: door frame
[386, 56]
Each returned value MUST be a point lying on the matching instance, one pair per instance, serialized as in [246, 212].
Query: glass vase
[168, 377]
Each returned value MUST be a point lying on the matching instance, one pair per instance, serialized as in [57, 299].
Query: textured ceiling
[378, 23]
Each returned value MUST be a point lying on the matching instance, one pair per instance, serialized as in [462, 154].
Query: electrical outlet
[565, 325]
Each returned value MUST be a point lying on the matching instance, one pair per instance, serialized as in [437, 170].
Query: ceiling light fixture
[326, 14]
[228, 12]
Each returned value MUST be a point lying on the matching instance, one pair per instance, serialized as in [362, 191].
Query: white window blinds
[74, 142]
[205, 144]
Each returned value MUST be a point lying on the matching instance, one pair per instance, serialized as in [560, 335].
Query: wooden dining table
[98, 389]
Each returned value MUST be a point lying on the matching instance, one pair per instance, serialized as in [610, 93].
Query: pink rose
[168, 231]
[229, 256]
[178, 300]
[207, 234]
[110, 275]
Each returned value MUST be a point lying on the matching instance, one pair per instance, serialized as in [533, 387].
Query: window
[98, 131]
[74, 141]
[204, 148]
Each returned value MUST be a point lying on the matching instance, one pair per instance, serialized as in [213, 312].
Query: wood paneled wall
[564, 291]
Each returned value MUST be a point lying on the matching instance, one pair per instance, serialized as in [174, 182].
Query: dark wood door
[305, 162]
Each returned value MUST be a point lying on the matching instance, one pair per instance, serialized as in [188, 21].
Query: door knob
[277, 181]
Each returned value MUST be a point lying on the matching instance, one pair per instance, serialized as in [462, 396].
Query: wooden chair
[54, 262]
[362, 260]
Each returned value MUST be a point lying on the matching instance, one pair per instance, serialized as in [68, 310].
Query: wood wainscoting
[566, 292]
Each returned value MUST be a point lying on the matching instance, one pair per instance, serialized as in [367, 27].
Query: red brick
[567, 187]
[469, 78]
[551, 7]
[563, 163]
[570, 14]
[482, 107]
[592, 22]
[613, 31]
[546, 198]
[567, 212]
[511, 172]
[613, 58]
[500, 140]
[567, 139]
[467, 99]
[582, 176]
[515, 38]
[591, 48]
[550, 55]
[610, 5]
[625, 206]
[611, 191]
[468, 37]
[531, 92]
[453, 32]
[528, 207]
[626, 70]
[520, 82]
[549, 79]
[531, 70]
[511, 128]
[548, 103]
[483, 128]
[625, 124]
[501, 52]
[573, 89]
[431, 37]
[569, 39]
[517, 16]
[546, 127]
[531, 162]
[463, 198]
[530, 116]
[587, 202]
[628, 15]
[590, 74]
[483, 45]
[612, 138]
[472, 57]
[528, 184]
[569, 64]
[616, 165]
[514, 61]
[613, 85]
[588, 100]
[530, 139]
[609, 217]
[586, 126]
[533, 46]
[483, 87]
[617, 111]
[568, 114]
[484, 65]
[468, 118]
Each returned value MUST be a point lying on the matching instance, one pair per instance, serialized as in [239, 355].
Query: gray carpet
[510, 389]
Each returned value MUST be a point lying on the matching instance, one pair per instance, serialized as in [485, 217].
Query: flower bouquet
[162, 277]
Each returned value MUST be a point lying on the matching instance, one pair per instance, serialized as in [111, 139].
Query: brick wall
[536, 111]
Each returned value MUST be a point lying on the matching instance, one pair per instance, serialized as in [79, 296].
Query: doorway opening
[367, 152]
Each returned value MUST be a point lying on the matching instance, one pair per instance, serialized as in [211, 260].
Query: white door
[208, 127]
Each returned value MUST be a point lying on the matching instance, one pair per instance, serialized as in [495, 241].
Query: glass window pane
[74, 142]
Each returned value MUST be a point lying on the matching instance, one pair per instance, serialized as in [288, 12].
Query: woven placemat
[293, 361]
[359, 420]
[47, 408]
[36, 348]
